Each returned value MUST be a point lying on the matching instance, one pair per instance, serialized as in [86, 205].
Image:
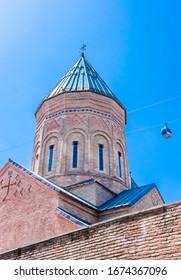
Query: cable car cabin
[166, 132]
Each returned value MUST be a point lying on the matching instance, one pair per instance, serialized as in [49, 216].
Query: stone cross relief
[13, 184]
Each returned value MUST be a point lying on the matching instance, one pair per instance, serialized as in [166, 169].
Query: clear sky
[135, 46]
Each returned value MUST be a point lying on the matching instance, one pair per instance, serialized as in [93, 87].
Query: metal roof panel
[82, 76]
[129, 197]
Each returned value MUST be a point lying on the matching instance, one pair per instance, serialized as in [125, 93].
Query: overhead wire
[17, 146]
[154, 104]
[129, 112]
[152, 126]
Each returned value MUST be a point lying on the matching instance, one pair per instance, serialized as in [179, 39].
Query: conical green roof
[82, 76]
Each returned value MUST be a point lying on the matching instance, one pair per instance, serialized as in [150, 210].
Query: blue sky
[135, 47]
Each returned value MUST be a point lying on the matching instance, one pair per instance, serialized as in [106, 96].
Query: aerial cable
[17, 146]
[156, 125]
[129, 112]
[154, 104]
[132, 131]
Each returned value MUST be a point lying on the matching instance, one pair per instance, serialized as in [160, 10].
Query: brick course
[149, 234]
[28, 213]
[94, 119]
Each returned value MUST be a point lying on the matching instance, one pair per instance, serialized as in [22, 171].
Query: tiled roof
[82, 76]
[127, 197]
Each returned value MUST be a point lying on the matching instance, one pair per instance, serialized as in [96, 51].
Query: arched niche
[51, 154]
[75, 144]
[121, 161]
[36, 158]
[101, 152]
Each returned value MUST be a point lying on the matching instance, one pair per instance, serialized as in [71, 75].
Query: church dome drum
[80, 133]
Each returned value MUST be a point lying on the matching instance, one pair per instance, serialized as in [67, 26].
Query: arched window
[75, 150]
[119, 165]
[100, 153]
[49, 155]
[101, 157]
[75, 154]
[50, 159]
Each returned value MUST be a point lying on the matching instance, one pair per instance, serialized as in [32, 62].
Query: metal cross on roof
[83, 49]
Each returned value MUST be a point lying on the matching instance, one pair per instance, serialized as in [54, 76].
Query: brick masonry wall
[150, 200]
[93, 193]
[150, 234]
[89, 128]
[27, 215]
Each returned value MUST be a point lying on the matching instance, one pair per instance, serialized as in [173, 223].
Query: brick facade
[93, 193]
[150, 234]
[59, 197]
[91, 119]
[31, 210]
[27, 215]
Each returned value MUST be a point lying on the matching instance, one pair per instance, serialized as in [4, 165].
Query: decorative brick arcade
[80, 181]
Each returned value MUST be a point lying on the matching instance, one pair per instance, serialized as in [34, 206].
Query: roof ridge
[81, 76]
[80, 183]
[127, 197]
[89, 181]
[50, 184]
[83, 59]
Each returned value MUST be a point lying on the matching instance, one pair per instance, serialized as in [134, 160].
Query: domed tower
[80, 132]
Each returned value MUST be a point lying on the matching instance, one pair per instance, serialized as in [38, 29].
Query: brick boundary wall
[149, 234]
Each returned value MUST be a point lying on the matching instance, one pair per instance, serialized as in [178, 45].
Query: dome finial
[83, 49]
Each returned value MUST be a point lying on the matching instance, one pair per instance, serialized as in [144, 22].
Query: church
[79, 176]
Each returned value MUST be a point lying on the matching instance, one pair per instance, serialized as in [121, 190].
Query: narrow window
[36, 163]
[119, 165]
[50, 161]
[101, 157]
[75, 154]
